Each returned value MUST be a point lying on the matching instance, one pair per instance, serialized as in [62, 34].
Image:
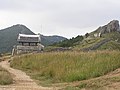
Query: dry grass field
[59, 67]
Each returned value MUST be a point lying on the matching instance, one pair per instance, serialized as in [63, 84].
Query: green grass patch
[112, 45]
[58, 67]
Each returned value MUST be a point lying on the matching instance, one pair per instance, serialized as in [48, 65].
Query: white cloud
[63, 17]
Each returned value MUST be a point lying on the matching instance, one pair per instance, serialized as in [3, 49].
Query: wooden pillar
[29, 43]
[22, 43]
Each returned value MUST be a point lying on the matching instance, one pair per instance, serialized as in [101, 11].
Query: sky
[67, 18]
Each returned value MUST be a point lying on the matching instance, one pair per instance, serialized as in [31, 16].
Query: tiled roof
[28, 38]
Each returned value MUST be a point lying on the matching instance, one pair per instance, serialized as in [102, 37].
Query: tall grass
[5, 77]
[68, 66]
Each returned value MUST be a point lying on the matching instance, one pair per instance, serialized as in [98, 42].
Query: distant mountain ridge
[106, 37]
[8, 37]
[48, 40]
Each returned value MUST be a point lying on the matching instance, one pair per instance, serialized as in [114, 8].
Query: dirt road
[21, 80]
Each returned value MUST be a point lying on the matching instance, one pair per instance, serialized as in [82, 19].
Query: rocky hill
[8, 37]
[105, 37]
[113, 26]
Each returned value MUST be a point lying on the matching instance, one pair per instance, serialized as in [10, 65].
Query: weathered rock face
[113, 26]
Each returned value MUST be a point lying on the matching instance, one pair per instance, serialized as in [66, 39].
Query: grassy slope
[114, 44]
[68, 66]
[87, 43]
[95, 84]
[5, 77]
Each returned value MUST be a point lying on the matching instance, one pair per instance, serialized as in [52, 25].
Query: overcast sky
[67, 18]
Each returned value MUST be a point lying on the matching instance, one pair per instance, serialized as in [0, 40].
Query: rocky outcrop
[104, 32]
[113, 26]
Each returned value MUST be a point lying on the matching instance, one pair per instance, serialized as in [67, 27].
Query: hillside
[8, 37]
[48, 40]
[69, 42]
[105, 37]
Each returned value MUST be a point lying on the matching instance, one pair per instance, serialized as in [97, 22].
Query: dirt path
[21, 80]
